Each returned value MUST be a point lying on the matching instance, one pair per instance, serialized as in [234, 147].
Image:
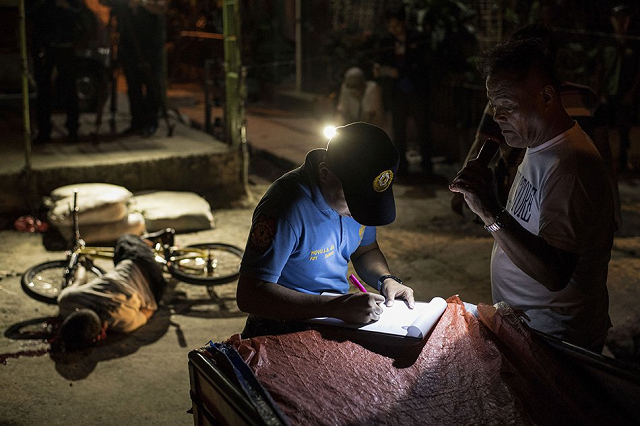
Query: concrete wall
[218, 177]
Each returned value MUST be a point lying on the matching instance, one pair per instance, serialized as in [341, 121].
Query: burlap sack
[98, 203]
[107, 233]
[182, 211]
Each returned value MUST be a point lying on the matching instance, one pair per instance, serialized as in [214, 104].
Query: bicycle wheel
[206, 264]
[45, 281]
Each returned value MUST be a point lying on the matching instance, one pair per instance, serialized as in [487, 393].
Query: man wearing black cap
[308, 226]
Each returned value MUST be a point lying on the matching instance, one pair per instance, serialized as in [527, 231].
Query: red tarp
[490, 372]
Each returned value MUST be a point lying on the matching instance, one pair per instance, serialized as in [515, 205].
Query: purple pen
[356, 283]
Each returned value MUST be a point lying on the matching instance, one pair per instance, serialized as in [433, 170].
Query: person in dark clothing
[55, 32]
[140, 50]
[402, 71]
[617, 79]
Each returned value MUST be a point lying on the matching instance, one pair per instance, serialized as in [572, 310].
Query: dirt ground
[143, 378]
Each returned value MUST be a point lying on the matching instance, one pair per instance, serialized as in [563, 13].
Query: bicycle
[206, 264]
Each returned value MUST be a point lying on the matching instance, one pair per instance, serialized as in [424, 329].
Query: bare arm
[550, 266]
[271, 300]
[370, 263]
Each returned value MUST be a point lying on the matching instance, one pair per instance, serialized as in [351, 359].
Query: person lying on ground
[121, 301]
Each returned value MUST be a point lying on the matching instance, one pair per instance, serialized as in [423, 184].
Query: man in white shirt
[553, 238]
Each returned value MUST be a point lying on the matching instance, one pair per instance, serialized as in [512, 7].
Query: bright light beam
[329, 132]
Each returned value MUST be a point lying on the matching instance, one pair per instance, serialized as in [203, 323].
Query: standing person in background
[310, 224]
[617, 79]
[55, 33]
[553, 238]
[140, 51]
[402, 71]
[359, 100]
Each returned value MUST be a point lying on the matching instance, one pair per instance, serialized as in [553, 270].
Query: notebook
[398, 320]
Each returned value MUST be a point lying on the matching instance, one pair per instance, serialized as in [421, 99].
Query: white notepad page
[398, 319]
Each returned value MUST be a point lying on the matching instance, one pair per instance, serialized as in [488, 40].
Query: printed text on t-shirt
[324, 252]
[521, 203]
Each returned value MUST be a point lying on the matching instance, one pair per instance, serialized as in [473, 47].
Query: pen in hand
[356, 283]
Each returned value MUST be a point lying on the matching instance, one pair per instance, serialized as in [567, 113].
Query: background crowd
[415, 57]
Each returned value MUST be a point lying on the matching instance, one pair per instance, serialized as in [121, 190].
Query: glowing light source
[329, 132]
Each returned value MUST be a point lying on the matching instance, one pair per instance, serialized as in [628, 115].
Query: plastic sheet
[491, 371]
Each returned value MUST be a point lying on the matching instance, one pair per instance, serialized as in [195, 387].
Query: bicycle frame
[163, 248]
[80, 250]
[205, 264]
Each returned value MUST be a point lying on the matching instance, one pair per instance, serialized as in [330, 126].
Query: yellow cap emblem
[383, 181]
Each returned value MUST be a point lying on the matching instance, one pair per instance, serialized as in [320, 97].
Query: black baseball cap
[365, 160]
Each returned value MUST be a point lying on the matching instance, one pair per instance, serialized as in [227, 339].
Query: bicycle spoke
[206, 263]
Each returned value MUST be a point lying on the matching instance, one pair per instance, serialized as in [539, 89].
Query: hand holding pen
[360, 307]
[395, 290]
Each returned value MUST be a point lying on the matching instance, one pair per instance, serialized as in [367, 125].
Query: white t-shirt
[561, 193]
[117, 296]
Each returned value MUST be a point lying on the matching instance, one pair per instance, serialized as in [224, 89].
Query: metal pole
[25, 86]
[208, 64]
[298, 13]
[235, 87]
[234, 104]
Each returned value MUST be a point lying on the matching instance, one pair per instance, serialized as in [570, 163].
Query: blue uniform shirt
[297, 240]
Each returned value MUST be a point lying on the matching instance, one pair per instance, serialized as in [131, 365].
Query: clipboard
[398, 320]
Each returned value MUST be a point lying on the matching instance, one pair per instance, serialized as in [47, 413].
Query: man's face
[518, 108]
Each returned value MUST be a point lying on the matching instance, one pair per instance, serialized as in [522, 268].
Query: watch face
[503, 219]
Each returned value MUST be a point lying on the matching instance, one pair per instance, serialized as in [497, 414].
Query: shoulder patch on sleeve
[262, 233]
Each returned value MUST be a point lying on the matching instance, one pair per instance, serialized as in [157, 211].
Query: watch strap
[499, 223]
[495, 226]
[384, 277]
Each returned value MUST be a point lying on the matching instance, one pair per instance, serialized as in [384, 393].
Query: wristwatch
[503, 219]
[384, 277]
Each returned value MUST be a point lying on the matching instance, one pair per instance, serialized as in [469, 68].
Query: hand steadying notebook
[398, 320]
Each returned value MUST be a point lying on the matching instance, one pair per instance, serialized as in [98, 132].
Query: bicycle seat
[165, 236]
